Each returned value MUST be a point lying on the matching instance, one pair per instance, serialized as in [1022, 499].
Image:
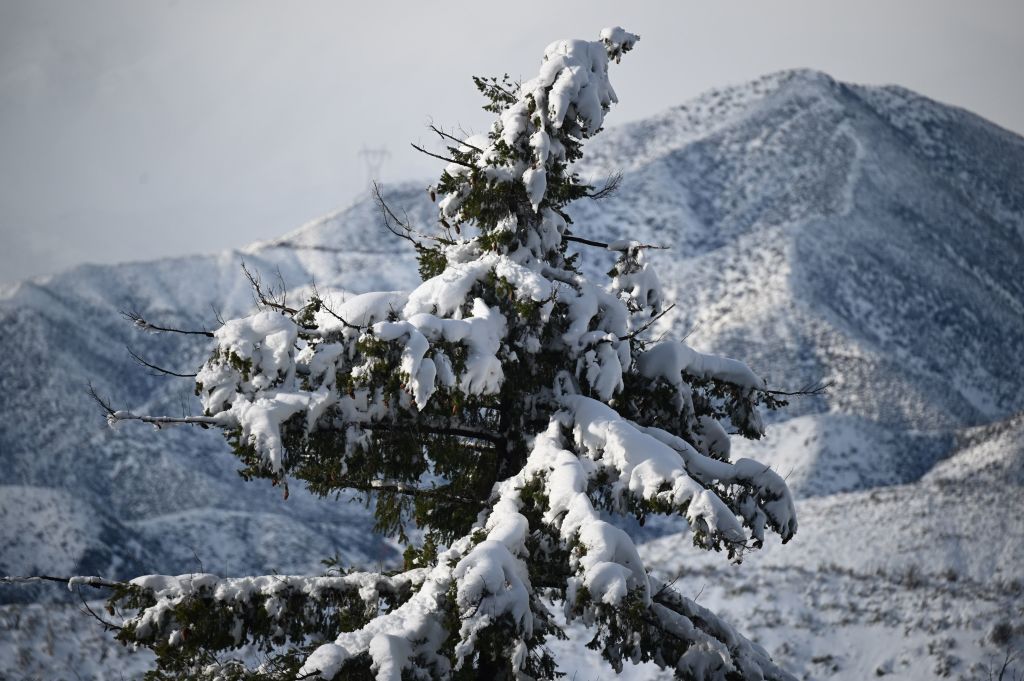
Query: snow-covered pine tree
[507, 410]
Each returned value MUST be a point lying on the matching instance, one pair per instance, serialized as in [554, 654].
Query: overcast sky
[132, 130]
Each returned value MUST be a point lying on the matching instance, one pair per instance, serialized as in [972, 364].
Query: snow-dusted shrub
[510, 410]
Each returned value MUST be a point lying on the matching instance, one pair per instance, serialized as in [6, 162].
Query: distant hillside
[820, 231]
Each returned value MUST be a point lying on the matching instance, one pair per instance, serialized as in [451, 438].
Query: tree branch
[442, 158]
[464, 143]
[809, 390]
[115, 415]
[154, 367]
[587, 242]
[161, 421]
[404, 230]
[609, 247]
[404, 488]
[648, 324]
[107, 625]
[611, 185]
[135, 318]
[267, 298]
[99, 400]
[95, 582]
[434, 430]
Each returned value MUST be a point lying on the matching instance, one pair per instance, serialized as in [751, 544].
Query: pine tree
[502, 416]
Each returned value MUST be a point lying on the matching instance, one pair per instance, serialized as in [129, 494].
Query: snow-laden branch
[714, 649]
[161, 421]
[484, 579]
[71, 582]
[255, 608]
[667, 472]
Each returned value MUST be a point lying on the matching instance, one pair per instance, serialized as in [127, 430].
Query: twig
[341, 319]
[154, 367]
[648, 324]
[811, 389]
[108, 626]
[115, 415]
[137, 319]
[442, 158]
[406, 230]
[99, 400]
[217, 314]
[611, 185]
[266, 298]
[464, 143]
[699, 592]
[665, 587]
[323, 304]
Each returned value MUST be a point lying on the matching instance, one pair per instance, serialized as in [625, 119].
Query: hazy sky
[131, 130]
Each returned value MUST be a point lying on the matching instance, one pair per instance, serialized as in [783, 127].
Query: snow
[48, 530]
[610, 567]
[670, 359]
[417, 621]
[757, 195]
[573, 78]
[360, 311]
[652, 464]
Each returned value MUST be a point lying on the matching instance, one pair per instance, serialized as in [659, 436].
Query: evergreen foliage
[501, 416]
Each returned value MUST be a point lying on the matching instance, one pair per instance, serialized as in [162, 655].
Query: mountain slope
[821, 231]
[69, 332]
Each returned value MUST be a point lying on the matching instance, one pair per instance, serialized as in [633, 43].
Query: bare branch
[107, 625]
[135, 318]
[390, 219]
[159, 370]
[611, 185]
[587, 242]
[610, 247]
[345, 323]
[648, 324]
[445, 135]
[100, 401]
[397, 226]
[266, 297]
[442, 158]
[809, 390]
[217, 314]
[72, 582]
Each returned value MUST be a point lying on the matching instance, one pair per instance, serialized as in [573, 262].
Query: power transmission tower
[373, 158]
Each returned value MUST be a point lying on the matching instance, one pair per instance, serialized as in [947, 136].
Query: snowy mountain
[821, 231]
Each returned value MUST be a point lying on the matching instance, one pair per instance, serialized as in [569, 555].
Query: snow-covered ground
[820, 231]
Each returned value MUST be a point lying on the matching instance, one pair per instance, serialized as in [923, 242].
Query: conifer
[503, 417]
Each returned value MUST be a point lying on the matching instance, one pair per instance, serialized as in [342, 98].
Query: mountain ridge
[819, 231]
